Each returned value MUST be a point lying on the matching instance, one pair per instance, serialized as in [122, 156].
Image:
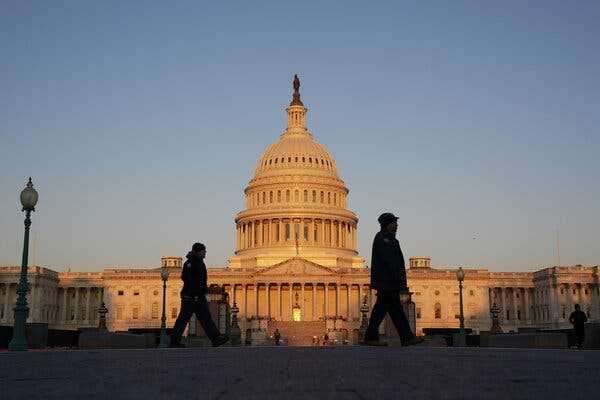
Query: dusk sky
[477, 123]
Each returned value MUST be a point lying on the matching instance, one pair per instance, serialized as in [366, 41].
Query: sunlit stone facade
[296, 259]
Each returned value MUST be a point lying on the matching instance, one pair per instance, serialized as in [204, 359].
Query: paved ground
[301, 373]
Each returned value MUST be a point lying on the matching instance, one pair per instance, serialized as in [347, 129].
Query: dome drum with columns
[296, 203]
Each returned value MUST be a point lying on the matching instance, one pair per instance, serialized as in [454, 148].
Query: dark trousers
[199, 306]
[580, 336]
[388, 303]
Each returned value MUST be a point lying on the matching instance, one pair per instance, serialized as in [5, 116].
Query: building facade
[296, 260]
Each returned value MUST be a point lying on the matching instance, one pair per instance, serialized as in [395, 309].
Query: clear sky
[141, 123]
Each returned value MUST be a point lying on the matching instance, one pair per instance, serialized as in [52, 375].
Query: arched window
[328, 197]
[438, 311]
[322, 197]
[276, 160]
[279, 196]
[303, 159]
[287, 231]
[335, 199]
[264, 197]
[314, 196]
[296, 159]
[310, 160]
[271, 197]
[289, 159]
[270, 162]
[155, 310]
[306, 196]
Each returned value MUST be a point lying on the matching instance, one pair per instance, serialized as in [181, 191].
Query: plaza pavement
[301, 373]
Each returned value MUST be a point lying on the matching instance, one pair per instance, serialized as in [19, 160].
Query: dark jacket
[387, 264]
[193, 275]
[578, 319]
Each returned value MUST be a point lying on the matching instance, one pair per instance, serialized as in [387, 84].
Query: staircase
[298, 333]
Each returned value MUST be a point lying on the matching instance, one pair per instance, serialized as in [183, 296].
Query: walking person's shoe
[220, 340]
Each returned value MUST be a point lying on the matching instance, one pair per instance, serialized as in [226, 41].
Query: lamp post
[29, 198]
[460, 275]
[164, 340]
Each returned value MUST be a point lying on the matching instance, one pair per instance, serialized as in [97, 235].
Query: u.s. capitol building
[296, 259]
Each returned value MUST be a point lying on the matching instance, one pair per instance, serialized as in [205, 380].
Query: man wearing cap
[193, 299]
[388, 277]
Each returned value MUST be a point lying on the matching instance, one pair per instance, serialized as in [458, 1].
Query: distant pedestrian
[388, 277]
[193, 299]
[578, 319]
[277, 337]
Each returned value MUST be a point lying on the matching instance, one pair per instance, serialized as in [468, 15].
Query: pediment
[297, 266]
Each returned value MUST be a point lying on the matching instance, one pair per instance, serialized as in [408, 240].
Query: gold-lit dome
[296, 153]
[296, 204]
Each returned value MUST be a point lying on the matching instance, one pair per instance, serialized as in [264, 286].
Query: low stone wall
[102, 339]
[537, 340]
[592, 335]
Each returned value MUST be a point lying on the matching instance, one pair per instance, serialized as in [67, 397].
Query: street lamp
[29, 198]
[164, 342]
[460, 275]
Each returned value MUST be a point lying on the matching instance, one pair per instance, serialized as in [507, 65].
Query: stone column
[526, 305]
[87, 305]
[325, 301]
[64, 310]
[281, 232]
[256, 299]
[339, 238]
[245, 299]
[516, 302]
[268, 296]
[337, 299]
[348, 302]
[302, 308]
[301, 238]
[311, 232]
[280, 301]
[554, 307]
[314, 301]
[76, 304]
[359, 298]
[291, 302]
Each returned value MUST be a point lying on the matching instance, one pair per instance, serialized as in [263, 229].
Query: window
[573, 291]
[174, 312]
[322, 197]
[507, 315]
[271, 197]
[437, 292]
[305, 232]
[296, 159]
[562, 291]
[120, 312]
[155, 310]
[279, 196]
[303, 159]
[287, 231]
[305, 196]
[335, 199]
[586, 291]
[135, 314]
[517, 295]
[287, 196]
[264, 194]
[437, 311]
[418, 312]
[120, 293]
[296, 196]
[310, 160]
[328, 197]
[155, 293]
[314, 196]
[471, 293]
[289, 159]
[136, 292]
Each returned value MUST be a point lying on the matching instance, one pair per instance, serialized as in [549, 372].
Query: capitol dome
[296, 203]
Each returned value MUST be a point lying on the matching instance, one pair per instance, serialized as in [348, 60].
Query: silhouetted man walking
[193, 299]
[578, 319]
[388, 277]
